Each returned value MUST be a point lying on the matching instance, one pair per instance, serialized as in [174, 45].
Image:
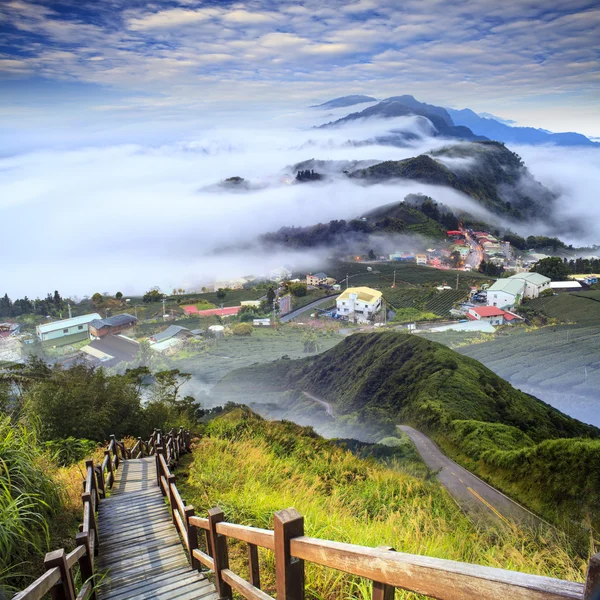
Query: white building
[59, 330]
[280, 274]
[359, 303]
[506, 293]
[535, 283]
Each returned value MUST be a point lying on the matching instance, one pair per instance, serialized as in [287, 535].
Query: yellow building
[359, 303]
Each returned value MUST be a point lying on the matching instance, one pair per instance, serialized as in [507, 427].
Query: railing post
[141, 443]
[382, 591]
[89, 464]
[158, 452]
[115, 450]
[289, 571]
[220, 555]
[253, 565]
[86, 562]
[65, 588]
[192, 536]
[86, 497]
[592, 581]
[100, 480]
[171, 495]
[110, 467]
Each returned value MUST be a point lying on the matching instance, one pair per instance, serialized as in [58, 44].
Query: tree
[153, 295]
[57, 299]
[298, 289]
[243, 329]
[372, 255]
[118, 295]
[553, 267]
[270, 297]
[97, 298]
[221, 293]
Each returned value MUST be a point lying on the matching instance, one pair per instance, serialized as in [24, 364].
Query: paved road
[477, 498]
[476, 256]
[295, 313]
[327, 406]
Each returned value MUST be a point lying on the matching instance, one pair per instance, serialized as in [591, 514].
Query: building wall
[64, 332]
[366, 309]
[501, 299]
[104, 331]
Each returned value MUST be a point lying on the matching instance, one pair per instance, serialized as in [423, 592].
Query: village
[442, 289]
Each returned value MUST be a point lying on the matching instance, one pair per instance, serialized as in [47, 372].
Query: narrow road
[327, 406]
[476, 255]
[298, 311]
[473, 495]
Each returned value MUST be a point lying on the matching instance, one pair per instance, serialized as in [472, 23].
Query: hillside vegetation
[391, 378]
[252, 468]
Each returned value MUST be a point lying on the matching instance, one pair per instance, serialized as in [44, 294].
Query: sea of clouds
[107, 209]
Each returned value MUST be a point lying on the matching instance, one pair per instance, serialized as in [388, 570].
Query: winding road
[298, 311]
[473, 495]
[327, 406]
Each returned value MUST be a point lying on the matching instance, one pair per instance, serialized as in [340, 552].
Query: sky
[66, 63]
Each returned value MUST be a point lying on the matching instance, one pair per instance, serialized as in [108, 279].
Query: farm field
[559, 364]
[428, 300]
[264, 345]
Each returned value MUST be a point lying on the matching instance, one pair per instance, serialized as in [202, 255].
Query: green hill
[486, 171]
[383, 379]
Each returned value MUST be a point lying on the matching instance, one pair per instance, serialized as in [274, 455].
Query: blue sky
[530, 60]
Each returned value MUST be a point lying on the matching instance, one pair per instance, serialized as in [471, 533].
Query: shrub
[242, 329]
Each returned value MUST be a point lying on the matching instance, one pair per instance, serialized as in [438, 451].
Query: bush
[243, 329]
[298, 289]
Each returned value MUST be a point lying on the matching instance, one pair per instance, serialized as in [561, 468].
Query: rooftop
[508, 285]
[168, 333]
[487, 311]
[115, 321]
[66, 323]
[534, 278]
[364, 294]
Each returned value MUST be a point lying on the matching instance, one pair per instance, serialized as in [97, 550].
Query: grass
[275, 465]
[40, 505]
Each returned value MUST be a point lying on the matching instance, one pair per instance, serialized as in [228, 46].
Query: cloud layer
[526, 60]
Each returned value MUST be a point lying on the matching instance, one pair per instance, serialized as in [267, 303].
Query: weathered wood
[65, 588]
[86, 562]
[111, 476]
[592, 581]
[241, 586]
[205, 559]
[289, 570]
[251, 535]
[220, 555]
[253, 565]
[382, 591]
[200, 522]
[41, 586]
[100, 480]
[86, 591]
[192, 536]
[74, 556]
[434, 577]
[89, 517]
[171, 496]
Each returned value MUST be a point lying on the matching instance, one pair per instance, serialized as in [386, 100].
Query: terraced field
[427, 300]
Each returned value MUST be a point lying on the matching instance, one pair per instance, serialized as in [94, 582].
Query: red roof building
[454, 232]
[212, 312]
[493, 315]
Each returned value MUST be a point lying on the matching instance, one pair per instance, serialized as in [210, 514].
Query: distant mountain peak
[345, 101]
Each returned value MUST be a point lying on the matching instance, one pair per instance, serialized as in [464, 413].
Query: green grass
[276, 465]
[425, 299]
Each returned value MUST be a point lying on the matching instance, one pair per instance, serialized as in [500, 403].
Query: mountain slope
[402, 106]
[345, 101]
[516, 135]
[487, 171]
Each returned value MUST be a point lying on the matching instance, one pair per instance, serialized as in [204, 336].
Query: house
[505, 293]
[111, 350]
[421, 259]
[230, 284]
[492, 315]
[360, 303]
[9, 329]
[319, 278]
[66, 331]
[251, 303]
[535, 283]
[111, 325]
[261, 322]
[172, 331]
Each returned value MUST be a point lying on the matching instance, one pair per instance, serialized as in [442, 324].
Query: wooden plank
[253, 565]
[205, 559]
[251, 535]
[243, 587]
[41, 586]
[434, 577]
[156, 589]
[200, 522]
[74, 556]
[289, 572]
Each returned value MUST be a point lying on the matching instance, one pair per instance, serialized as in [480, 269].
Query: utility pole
[69, 307]
[346, 280]
[457, 276]
[394, 284]
[163, 301]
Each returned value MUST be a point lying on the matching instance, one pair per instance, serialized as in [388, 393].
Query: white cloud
[172, 18]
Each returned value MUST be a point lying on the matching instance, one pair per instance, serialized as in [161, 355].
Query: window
[80, 327]
[65, 331]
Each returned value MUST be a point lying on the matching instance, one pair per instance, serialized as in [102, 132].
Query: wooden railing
[59, 578]
[386, 568]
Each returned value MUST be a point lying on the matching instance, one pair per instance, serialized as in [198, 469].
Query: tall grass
[253, 468]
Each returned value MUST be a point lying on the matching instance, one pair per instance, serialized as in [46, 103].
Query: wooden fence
[59, 578]
[386, 568]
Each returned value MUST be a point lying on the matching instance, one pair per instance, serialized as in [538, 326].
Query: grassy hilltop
[252, 468]
[544, 458]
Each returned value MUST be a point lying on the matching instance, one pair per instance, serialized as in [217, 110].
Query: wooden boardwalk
[140, 549]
